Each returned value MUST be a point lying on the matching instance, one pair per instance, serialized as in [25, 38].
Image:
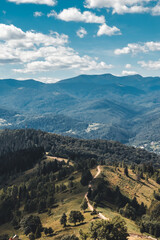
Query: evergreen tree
[84, 205]
[83, 236]
[86, 177]
[126, 171]
[38, 232]
[63, 220]
[70, 237]
[50, 231]
[89, 194]
[31, 236]
[46, 231]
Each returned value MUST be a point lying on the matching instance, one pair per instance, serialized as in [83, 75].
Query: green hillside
[46, 182]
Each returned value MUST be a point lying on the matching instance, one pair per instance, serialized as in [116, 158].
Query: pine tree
[86, 177]
[126, 171]
[63, 220]
[83, 236]
[38, 232]
[84, 205]
[31, 236]
[50, 230]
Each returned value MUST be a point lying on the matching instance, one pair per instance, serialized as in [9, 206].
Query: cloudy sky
[50, 40]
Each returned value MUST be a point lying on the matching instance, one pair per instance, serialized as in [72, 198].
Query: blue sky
[50, 40]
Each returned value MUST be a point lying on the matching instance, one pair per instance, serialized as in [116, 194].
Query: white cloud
[128, 66]
[81, 32]
[126, 73]
[156, 10]
[10, 32]
[109, 31]
[74, 14]
[47, 79]
[41, 79]
[134, 48]
[62, 58]
[150, 64]
[46, 2]
[37, 52]
[37, 14]
[121, 6]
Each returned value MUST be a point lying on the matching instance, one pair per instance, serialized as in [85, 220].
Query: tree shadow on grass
[78, 224]
[88, 211]
[139, 181]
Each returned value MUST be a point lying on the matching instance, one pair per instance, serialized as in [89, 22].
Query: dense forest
[19, 161]
[77, 150]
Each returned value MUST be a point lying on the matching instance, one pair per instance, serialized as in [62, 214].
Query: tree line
[83, 152]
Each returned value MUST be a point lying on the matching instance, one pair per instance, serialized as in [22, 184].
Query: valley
[124, 109]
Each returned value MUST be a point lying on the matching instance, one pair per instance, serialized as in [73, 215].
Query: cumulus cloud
[104, 29]
[121, 6]
[37, 14]
[81, 32]
[128, 66]
[150, 64]
[10, 32]
[156, 10]
[126, 73]
[74, 14]
[62, 58]
[46, 2]
[37, 52]
[134, 48]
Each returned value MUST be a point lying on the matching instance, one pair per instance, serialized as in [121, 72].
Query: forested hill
[78, 150]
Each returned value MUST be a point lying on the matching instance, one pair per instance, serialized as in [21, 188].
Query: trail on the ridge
[100, 215]
[132, 236]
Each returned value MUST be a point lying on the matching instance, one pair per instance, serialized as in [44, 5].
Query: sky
[50, 40]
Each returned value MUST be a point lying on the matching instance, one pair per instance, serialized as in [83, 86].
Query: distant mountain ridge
[126, 109]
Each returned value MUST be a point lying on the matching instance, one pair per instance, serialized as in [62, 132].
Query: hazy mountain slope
[98, 106]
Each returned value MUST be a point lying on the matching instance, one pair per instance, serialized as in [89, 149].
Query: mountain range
[125, 109]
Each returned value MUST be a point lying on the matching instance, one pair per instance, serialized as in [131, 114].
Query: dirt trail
[100, 215]
[98, 172]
